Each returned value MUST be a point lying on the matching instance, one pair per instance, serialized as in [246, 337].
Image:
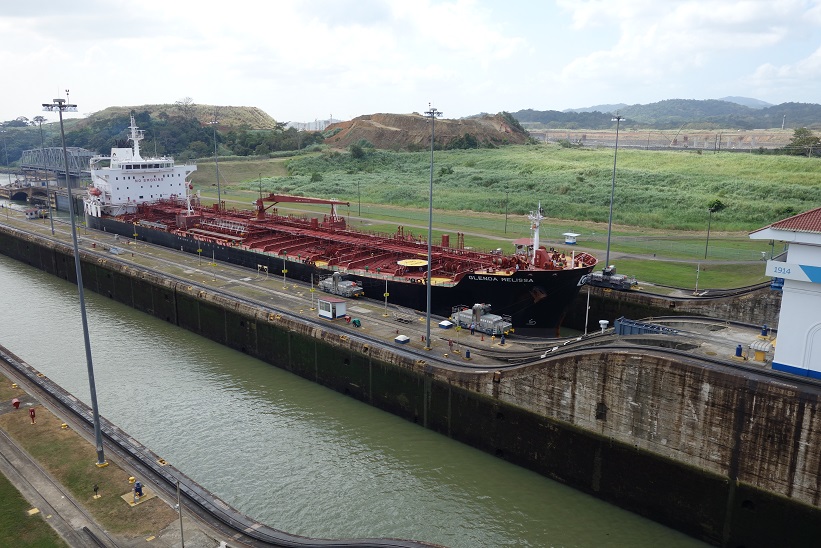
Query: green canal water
[287, 452]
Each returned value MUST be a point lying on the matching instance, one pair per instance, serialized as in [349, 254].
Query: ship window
[141, 197]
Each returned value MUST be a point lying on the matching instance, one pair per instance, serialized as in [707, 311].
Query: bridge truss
[51, 159]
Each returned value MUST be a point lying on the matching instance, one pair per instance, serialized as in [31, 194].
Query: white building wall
[798, 348]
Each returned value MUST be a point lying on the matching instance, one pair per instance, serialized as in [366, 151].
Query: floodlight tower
[618, 120]
[216, 161]
[62, 105]
[432, 113]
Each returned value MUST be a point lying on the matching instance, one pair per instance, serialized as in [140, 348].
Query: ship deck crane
[285, 198]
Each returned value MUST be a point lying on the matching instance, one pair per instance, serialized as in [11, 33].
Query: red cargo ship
[150, 197]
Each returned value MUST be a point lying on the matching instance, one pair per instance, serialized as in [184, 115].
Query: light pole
[216, 162]
[359, 198]
[618, 120]
[61, 105]
[507, 201]
[5, 148]
[40, 120]
[432, 113]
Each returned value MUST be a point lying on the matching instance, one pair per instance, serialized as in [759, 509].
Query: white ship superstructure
[129, 180]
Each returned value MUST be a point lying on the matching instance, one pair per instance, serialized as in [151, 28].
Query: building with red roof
[798, 348]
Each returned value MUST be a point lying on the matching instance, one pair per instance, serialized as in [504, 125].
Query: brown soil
[412, 131]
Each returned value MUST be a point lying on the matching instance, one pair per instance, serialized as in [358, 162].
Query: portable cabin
[331, 307]
[570, 238]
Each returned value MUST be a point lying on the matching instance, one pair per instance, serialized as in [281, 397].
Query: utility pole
[61, 105]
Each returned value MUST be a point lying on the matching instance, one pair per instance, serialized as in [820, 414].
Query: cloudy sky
[302, 60]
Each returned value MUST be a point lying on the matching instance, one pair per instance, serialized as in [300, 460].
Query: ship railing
[226, 225]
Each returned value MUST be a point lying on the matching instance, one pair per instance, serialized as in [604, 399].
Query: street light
[61, 105]
[40, 120]
[216, 162]
[507, 201]
[5, 150]
[432, 113]
[618, 120]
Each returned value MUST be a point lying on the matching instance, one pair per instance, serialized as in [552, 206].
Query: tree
[803, 142]
[357, 151]
[715, 206]
[186, 106]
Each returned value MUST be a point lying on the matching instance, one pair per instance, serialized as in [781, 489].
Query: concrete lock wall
[758, 308]
[729, 460]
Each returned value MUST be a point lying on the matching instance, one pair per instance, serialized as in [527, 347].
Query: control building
[798, 348]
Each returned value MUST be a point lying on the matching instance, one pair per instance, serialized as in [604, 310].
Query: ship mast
[535, 222]
[136, 137]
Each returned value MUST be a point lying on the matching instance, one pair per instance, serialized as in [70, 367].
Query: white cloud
[299, 60]
[661, 43]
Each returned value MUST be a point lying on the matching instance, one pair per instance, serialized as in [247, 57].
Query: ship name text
[498, 279]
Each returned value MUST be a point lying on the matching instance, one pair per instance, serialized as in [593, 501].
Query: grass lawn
[683, 275]
[660, 207]
[71, 460]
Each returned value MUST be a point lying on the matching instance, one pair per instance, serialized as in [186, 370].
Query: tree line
[173, 134]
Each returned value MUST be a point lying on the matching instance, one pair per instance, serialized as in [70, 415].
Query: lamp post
[432, 113]
[507, 201]
[216, 161]
[61, 105]
[618, 120]
[5, 148]
[40, 120]
[359, 198]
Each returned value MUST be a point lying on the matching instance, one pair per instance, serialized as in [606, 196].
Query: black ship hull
[536, 301]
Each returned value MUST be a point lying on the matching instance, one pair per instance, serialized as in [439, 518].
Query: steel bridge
[51, 160]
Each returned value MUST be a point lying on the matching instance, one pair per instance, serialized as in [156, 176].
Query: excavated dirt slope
[412, 131]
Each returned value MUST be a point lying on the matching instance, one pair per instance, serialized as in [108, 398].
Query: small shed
[570, 238]
[446, 324]
[331, 307]
[401, 339]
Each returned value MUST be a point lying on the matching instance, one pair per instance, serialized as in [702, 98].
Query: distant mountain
[675, 113]
[597, 108]
[747, 102]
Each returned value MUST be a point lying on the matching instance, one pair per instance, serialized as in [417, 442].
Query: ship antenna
[535, 222]
[136, 137]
